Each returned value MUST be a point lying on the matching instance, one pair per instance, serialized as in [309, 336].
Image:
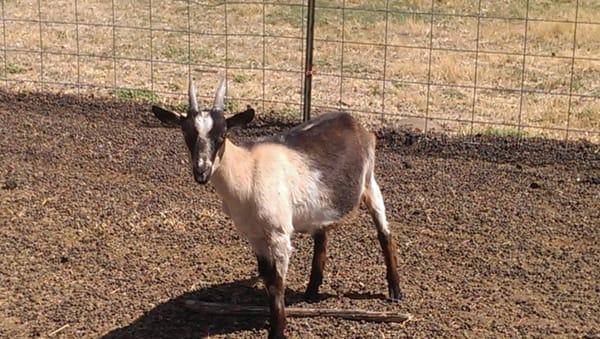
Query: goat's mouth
[202, 177]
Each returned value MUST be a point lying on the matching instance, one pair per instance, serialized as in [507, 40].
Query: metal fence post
[308, 63]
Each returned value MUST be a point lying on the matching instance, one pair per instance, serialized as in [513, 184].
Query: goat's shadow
[172, 319]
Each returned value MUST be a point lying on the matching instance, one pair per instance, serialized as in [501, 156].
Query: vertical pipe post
[572, 70]
[308, 60]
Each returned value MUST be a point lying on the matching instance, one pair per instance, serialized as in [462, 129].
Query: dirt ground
[103, 232]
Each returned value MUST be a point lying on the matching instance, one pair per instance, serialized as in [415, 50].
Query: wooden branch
[58, 330]
[213, 308]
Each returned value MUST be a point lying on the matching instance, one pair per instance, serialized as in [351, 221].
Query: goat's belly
[307, 221]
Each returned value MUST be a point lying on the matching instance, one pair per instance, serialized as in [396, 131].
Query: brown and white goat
[300, 181]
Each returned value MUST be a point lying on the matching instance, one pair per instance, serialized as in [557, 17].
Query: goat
[300, 181]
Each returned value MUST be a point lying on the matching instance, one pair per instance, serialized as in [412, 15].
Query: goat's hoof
[255, 282]
[276, 335]
[395, 294]
[394, 300]
[311, 297]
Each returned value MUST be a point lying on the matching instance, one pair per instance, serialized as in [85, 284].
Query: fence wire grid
[515, 67]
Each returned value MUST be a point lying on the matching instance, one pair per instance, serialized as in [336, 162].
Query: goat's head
[204, 130]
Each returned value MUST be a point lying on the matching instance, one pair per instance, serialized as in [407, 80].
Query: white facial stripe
[203, 123]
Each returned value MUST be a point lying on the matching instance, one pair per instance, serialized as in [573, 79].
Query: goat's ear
[167, 117]
[241, 119]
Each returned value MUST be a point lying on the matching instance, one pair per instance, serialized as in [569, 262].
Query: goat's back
[341, 150]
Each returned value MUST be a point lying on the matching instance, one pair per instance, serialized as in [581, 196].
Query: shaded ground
[102, 229]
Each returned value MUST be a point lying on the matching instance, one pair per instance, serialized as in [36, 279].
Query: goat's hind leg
[318, 264]
[374, 201]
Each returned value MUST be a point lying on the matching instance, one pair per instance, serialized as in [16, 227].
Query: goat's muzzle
[201, 175]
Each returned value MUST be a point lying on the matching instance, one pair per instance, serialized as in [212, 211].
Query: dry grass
[406, 69]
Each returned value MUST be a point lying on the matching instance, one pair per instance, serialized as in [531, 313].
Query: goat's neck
[232, 178]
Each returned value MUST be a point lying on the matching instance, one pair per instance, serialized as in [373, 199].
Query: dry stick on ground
[58, 330]
[249, 310]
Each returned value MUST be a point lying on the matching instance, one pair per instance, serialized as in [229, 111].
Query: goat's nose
[201, 175]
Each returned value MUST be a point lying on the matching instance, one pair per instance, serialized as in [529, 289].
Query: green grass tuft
[289, 111]
[135, 94]
[231, 106]
[240, 78]
[282, 15]
[505, 132]
[14, 69]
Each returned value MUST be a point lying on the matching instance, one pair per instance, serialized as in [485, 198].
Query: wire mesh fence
[519, 67]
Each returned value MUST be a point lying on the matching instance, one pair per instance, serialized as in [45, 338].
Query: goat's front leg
[318, 264]
[273, 262]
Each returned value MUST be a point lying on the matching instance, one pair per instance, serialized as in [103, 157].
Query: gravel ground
[104, 233]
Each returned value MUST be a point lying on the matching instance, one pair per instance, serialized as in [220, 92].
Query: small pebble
[10, 184]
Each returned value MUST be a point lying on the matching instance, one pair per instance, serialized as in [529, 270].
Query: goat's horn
[219, 104]
[193, 102]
